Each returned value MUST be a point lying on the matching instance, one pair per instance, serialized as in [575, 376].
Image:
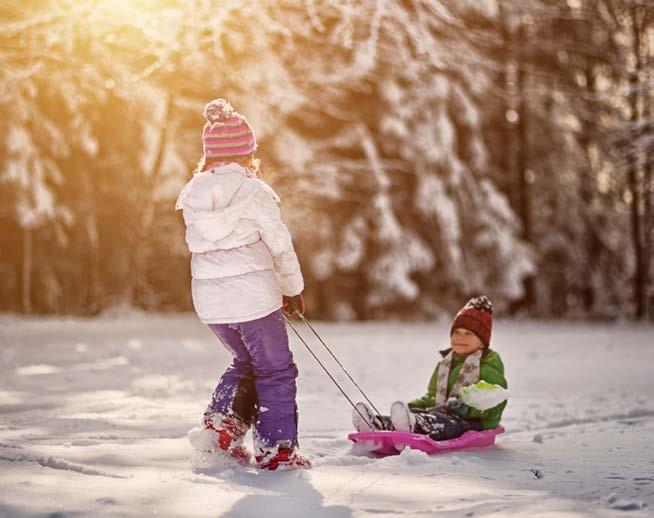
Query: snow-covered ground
[94, 416]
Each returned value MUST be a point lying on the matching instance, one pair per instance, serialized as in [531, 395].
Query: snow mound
[205, 457]
[620, 504]
[410, 457]
[364, 448]
[201, 439]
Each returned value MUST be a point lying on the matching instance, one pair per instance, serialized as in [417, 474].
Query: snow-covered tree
[393, 170]
[552, 120]
[425, 151]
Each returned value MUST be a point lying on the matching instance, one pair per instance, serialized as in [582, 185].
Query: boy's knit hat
[226, 132]
[476, 316]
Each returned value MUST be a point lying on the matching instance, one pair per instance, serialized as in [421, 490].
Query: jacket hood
[221, 223]
[196, 193]
[215, 201]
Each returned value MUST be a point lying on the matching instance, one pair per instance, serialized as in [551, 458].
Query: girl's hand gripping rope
[293, 305]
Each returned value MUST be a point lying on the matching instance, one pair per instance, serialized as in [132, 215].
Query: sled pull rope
[327, 372]
[339, 363]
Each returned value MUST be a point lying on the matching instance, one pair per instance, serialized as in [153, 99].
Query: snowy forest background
[424, 150]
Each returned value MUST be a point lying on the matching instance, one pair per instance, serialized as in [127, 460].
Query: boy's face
[464, 342]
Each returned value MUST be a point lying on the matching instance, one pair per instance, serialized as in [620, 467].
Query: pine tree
[394, 167]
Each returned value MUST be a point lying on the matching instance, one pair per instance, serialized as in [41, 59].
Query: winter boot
[403, 419]
[365, 420]
[230, 431]
[281, 457]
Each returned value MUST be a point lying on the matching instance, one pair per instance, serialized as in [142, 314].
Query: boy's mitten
[292, 305]
[483, 395]
[456, 406]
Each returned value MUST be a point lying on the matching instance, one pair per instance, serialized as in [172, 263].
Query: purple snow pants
[259, 385]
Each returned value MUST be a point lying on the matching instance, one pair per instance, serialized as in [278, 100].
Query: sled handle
[339, 363]
[327, 372]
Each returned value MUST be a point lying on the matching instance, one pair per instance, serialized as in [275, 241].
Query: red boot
[230, 432]
[282, 458]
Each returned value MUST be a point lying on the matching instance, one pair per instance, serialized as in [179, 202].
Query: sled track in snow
[634, 414]
[60, 464]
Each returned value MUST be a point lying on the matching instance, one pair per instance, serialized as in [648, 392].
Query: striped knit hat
[476, 316]
[226, 132]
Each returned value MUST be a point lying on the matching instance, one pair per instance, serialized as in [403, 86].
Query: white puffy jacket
[243, 258]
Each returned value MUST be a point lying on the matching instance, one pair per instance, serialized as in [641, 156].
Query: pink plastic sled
[391, 443]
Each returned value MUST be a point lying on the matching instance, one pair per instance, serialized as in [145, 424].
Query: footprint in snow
[624, 505]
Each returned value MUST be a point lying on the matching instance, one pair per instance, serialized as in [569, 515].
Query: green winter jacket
[490, 370]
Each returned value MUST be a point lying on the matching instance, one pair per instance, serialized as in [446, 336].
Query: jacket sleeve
[277, 238]
[490, 418]
[429, 399]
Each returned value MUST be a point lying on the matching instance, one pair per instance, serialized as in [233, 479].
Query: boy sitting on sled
[469, 372]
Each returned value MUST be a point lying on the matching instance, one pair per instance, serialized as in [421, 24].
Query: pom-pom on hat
[476, 316]
[226, 132]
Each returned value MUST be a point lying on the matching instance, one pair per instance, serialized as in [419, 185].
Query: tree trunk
[522, 162]
[648, 191]
[648, 216]
[592, 242]
[90, 298]
[639, 279]
[145, 218]
[524, 195]
[505, 158]
[27, 270]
